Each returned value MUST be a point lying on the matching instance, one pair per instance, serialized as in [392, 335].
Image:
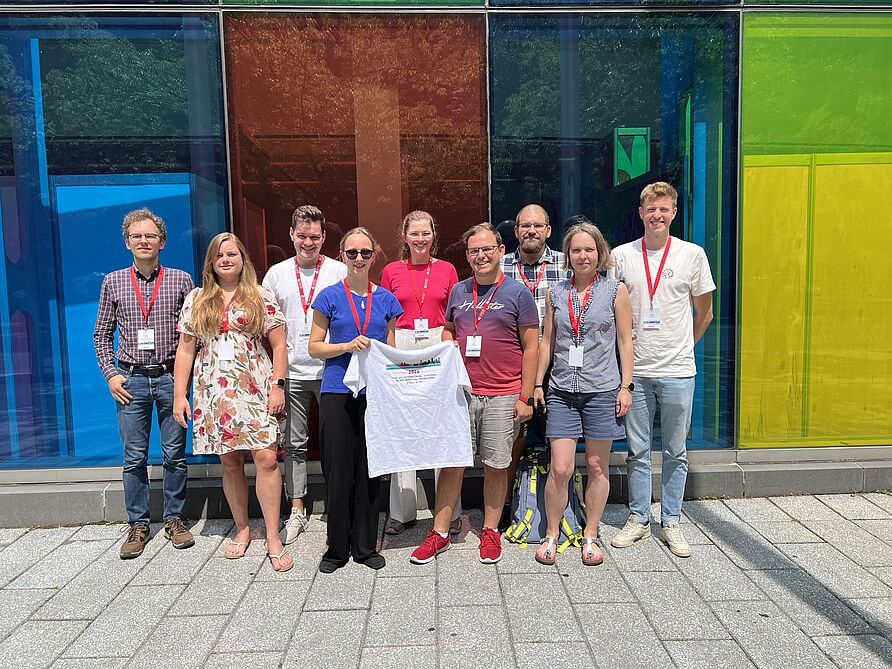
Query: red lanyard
[574, 321]
[142, 305]
[224, 318]
[427, 277]
[483, 309]
[304, 301]
[538, 276]
[368, 310]
[652, 286]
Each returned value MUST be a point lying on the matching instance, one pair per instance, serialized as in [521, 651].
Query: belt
[147, 370]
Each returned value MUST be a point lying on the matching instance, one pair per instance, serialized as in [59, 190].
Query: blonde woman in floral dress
[237, 391]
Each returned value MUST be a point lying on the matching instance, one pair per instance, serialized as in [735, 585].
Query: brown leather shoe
[177, 534]
[137, 538]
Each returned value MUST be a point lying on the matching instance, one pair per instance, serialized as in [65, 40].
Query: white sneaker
[633, 530]
[671, 536]
[297, 522]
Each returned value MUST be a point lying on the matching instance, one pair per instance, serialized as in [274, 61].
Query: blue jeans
[134, 426]
[675, 398]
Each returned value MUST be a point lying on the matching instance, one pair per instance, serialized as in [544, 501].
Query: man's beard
[532, 245]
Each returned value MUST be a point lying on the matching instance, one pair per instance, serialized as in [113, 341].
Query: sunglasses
[352, 253]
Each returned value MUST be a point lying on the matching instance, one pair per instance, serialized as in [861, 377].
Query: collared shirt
[554, 273]
[119, 309]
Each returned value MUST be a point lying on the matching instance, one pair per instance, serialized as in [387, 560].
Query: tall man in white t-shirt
[295, 283]
[666, 277]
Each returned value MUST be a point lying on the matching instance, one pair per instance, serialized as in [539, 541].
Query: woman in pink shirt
[422, 285]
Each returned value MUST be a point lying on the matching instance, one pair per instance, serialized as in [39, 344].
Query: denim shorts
[589, 415]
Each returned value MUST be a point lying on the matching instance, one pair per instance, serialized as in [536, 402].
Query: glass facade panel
[587, 109]
[98, 115]
[367, 117]
[815, 310]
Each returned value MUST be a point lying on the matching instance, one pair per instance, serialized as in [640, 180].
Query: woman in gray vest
[587, 319]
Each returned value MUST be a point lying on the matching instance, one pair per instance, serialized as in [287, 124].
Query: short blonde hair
[659, 189]
[603, 248]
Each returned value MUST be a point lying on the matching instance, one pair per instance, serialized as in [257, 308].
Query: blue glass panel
[99, 115]
[588, 109]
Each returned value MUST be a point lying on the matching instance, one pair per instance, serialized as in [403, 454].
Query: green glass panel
[364, 3]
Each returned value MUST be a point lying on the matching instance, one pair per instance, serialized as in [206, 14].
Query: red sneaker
[490, 546]
[430, 548]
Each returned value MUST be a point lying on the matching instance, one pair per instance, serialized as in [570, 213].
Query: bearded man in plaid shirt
[143, 302]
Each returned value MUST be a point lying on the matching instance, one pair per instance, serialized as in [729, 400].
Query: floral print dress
[229, 397]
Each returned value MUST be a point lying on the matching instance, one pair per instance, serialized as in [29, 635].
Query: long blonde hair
[208, 305]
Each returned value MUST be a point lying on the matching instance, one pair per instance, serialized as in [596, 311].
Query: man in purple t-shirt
[493, 320]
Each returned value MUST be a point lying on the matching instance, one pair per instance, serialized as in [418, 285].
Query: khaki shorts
[493, 429]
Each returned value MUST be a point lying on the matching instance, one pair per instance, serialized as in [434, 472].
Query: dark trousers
[352, 497]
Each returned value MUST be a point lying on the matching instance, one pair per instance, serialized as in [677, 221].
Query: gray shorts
[493, 429]
[589, 415]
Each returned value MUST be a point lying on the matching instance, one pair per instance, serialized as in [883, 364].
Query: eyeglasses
[485, 250]
[148, 236]
[365, 253]
[533, 226]
[420, 235]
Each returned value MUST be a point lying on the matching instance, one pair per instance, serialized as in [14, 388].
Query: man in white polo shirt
[295, 282]
[667, 277]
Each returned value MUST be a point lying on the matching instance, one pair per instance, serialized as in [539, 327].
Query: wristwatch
[629, 387]
[280, 383]
[529, 401]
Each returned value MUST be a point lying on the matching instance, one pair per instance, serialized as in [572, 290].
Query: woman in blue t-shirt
[349, 314]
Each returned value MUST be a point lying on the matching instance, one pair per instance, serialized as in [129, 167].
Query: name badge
[145, 339]
[473, 345]
[421, 328]
[575, 358]
[225, 350]
[650, 319]
[302, 326]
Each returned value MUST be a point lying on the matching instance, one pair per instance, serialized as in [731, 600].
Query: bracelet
[538, 385]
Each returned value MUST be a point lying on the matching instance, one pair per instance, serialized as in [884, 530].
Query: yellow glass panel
[772, 302]
[850, 369]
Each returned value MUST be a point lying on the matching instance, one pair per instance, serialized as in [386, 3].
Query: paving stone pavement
[782, 582]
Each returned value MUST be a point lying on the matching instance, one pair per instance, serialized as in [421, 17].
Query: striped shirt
[554, 261]
[119, 309]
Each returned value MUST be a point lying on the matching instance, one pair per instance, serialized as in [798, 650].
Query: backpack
[528, 520]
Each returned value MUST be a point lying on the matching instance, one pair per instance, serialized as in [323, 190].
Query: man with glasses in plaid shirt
[143, 302]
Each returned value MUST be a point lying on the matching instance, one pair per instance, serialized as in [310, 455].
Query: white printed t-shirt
[282, 280]
[669, 351]
[417, 412]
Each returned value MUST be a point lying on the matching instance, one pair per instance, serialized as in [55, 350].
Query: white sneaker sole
[631, 543]
[415, 560]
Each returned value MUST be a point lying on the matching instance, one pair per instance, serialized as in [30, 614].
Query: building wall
[772, 124]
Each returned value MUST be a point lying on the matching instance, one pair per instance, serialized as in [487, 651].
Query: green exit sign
[631, 153]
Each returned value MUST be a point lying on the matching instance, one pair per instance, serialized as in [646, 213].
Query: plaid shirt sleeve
[104, 332]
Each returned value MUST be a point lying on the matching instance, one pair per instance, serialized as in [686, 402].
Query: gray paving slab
[126, 622]
[398, 565]
[882, 573]
[835, 571]
[91, 663]
[244, 661]
[10, 534]
[249, 632]
[168, 565]
[854, 507]
[525, 621]
[408, 657]
[552, 655]
[16, 606]
[200, 631]
[745, 547]
[403, 612]
[305, 552]
[881, 499]
[472, 636]
[876, 611]
[757, 509]
[709, 511]
[712, 654]
[805, 507]
[517, 559]
[715, 577]
[881, 529]
[785, 532]
[769, 637]
[459, 584]
[644, 555]
[38, 643]
[350, 587]
[28, 548]
[599, 584]
[668, 597]
[111, 532]
[692, 532]
[217, 589]
[55, 569]
[808, 603]
[312, 644]
[854, 541]
[857, 652]
[608, 627]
